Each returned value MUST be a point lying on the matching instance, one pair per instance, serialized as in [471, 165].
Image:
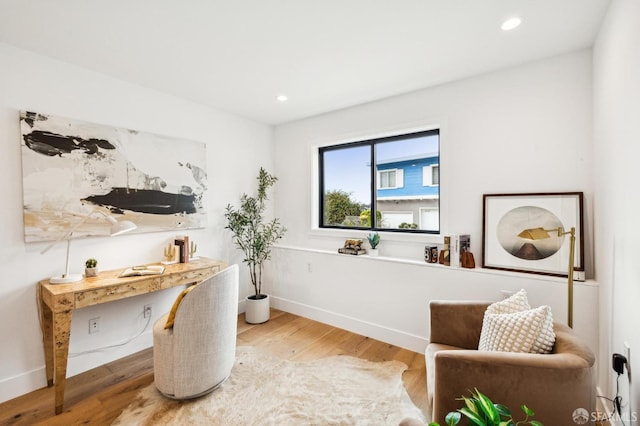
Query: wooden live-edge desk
[57, 302]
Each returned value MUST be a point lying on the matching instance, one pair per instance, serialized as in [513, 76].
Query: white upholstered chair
[196, 354]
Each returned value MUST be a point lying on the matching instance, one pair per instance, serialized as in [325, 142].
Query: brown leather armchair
[552, 385]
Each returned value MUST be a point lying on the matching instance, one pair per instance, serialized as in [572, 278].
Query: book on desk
[142, 270]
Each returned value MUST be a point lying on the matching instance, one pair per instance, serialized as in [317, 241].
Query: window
[390, 179]
[401, 188]
[431, 175]
[387, 179]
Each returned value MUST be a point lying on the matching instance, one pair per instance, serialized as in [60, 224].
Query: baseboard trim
[600, 408]
[15, 386]
[18, 385]
[389, 335]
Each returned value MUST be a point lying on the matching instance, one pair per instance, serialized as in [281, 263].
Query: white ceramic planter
[257, 310]
[373, 252]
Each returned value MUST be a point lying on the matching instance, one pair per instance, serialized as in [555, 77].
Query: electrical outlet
[147, 311]
[309, 269]
[94, 325]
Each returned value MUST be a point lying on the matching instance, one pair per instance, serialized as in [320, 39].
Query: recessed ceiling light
[511, 23]
[282, 98]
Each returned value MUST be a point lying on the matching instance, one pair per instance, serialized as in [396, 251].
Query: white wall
[236, 148]
[525, 129]
[616, 174]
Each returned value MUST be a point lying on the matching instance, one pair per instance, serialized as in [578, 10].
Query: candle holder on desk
[193, 248]
[170, 254]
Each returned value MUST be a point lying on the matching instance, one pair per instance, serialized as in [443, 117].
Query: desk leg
[46, 322]
[61, 335]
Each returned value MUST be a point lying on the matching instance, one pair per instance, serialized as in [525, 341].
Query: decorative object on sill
[431, 254]
[193, 248]
[91, 268]
[460, 243]
[117, 228]
[467, 260]
[374, 240]
[542, 234]
[463, 245]
[505, 216]
[445, 253]
[252, 234]
[171, 254]
[352, 246]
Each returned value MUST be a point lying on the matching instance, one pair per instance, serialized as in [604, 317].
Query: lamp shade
[120, 227]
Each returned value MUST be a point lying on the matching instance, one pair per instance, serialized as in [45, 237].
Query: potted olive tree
[255, 236]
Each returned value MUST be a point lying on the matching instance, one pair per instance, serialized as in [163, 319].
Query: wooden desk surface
[107, 286]
[57, 302]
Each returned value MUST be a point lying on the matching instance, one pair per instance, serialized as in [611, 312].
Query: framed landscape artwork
[72, 168]
[508, 221]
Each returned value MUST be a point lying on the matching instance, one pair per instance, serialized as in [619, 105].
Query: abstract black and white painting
[73, 168]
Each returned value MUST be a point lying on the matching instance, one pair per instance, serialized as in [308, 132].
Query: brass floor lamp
[541, 234]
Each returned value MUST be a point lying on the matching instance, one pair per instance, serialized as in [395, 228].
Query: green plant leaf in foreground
[468, 402]
[481, 411]
[452, 418]
[486, 406]
[528, 411]
[472, 416]
[503, 410]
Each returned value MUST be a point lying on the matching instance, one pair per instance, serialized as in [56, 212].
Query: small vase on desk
[373, 252]
[90, 272]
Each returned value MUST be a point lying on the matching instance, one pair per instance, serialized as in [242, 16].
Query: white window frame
[399, 178]
[427, 175]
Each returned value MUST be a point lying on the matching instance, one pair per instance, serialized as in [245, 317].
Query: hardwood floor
[98, 396]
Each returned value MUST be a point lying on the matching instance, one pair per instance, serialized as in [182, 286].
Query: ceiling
[238, 55]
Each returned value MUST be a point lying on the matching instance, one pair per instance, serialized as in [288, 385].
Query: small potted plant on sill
[255, 236]
[91, 268]
[374, 240]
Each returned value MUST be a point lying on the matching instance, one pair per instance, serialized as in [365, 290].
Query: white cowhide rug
[265, 390]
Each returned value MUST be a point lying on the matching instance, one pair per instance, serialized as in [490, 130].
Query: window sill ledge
[418, 263]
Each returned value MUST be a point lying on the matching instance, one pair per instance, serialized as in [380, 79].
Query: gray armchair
[553, 385]
[196, 354]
